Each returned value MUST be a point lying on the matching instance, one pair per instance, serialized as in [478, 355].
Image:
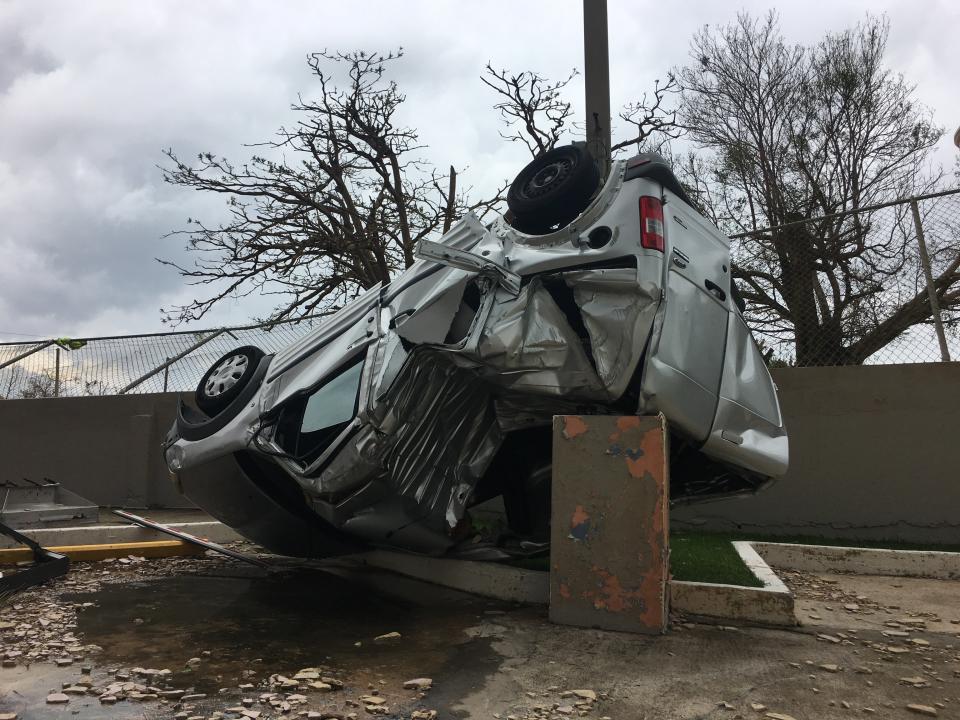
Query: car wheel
[226, 378]
[553, 189]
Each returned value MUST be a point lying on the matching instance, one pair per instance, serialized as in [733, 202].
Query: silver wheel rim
[225, 375]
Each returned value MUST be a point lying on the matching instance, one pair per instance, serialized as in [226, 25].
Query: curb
[501, 582]
[117, 534]
[862, 561]
[770, 605]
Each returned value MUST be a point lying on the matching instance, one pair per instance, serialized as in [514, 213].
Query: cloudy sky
[91, 92]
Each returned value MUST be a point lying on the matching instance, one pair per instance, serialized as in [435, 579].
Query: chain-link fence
[132, 363]
[880, 285]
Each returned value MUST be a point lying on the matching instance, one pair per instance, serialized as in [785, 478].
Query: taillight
[651, 223]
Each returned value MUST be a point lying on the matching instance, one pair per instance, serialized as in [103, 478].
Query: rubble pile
[38, 624]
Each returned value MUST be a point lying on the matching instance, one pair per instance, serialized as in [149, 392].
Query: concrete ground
[208, 637]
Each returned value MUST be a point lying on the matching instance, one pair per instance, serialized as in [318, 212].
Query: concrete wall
[106, 449]
[873, 455]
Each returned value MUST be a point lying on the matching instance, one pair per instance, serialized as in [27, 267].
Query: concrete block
[609, 546]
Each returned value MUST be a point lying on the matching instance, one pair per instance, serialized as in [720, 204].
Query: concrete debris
[757, 707]
[8, 716]
[390, 637]
[830, 667]
[418, 684]
[57, 698]
[423, 715]
[779, 716]
[923, 710]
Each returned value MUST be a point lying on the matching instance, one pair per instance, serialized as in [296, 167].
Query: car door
[685, 368]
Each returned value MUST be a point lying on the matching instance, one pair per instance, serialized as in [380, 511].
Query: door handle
[716, 290]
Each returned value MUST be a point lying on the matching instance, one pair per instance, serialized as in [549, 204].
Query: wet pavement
[244, 625]
[209, 638]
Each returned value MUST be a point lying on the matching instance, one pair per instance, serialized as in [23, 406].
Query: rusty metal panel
[609, 548]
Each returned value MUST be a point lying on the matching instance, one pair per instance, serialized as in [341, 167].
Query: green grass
[697, 557]
[708, 558]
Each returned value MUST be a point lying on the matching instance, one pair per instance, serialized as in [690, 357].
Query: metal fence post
[200, 343]
[56, 375]
[931, 290]
[166, 373]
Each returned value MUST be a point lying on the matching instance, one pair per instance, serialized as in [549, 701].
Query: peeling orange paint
[651, 452]
[624, 423]
[580, 516]
[612, 596]
[573, 426]
[605, 582]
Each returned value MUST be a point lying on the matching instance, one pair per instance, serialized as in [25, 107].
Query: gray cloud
[90, 93]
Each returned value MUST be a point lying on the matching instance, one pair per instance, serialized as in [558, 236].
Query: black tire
[226, 378]
[553, 189]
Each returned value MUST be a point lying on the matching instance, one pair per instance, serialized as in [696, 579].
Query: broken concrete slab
[862, 561]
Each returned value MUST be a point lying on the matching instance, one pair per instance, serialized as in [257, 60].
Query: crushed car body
[435, 392]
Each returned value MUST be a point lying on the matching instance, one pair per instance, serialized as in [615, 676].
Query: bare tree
[652, 119]
[536, 113]
[793, 133]
[530, 106]
[333, 205]
[41, 384]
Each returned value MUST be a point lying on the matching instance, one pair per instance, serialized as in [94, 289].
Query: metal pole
[931, 289]
[172, 360]
[56, 375]
[596, 80]
[166, 374]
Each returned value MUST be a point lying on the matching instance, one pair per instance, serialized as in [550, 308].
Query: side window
[334, 403]
[307, 428]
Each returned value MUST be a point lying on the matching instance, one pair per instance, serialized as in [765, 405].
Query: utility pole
[596, 79]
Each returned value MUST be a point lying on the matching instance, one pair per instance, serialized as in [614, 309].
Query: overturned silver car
[435, 392]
